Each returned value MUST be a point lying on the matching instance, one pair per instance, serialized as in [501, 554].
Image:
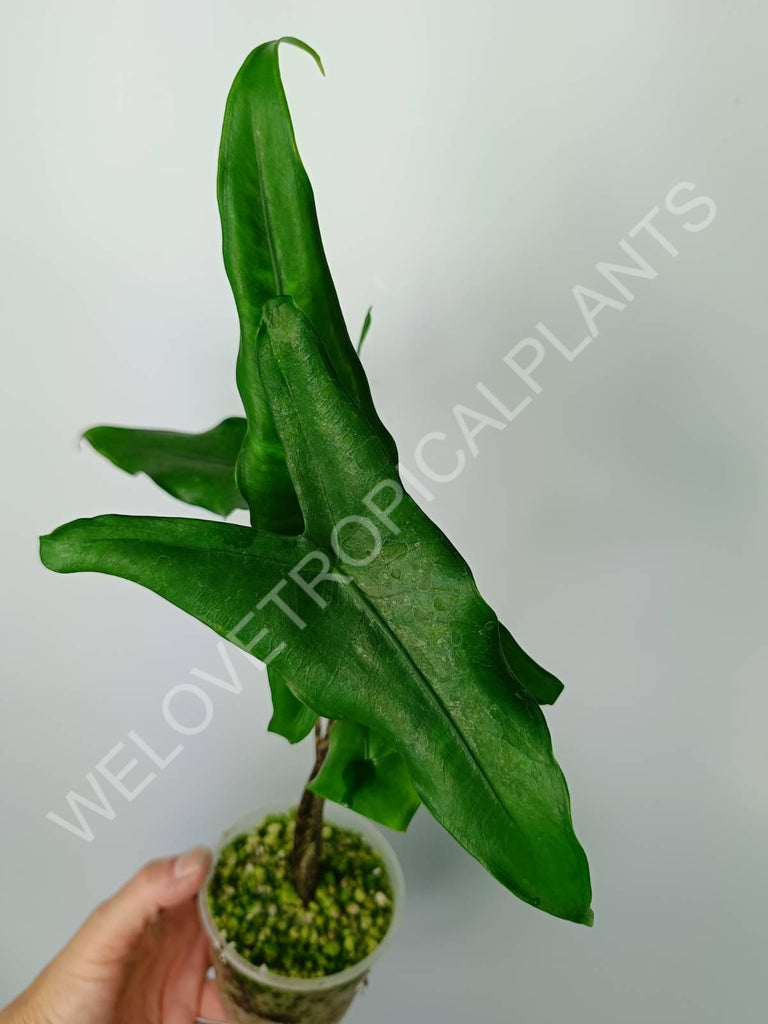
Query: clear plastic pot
[253, 995]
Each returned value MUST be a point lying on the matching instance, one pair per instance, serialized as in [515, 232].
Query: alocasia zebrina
[385, 630]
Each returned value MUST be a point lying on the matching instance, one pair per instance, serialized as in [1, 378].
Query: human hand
[140, 958]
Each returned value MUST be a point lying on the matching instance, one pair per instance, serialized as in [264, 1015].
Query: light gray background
[472, 162]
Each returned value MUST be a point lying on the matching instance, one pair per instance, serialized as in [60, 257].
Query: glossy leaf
[272, 247]
[364, 771]
[401, 642]
[197, 468]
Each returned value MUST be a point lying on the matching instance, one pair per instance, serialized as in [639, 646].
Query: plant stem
[308, 840]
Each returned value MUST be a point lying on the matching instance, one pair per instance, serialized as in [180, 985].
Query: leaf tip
[50, 552]
[293, 41]
[96, 437]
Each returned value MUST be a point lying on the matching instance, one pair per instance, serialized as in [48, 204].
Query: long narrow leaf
[272, 247]
[197, 468]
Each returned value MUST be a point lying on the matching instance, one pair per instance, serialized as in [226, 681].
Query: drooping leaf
[364, 771]
[118, 545]
[272, 247]
[197, 468]
[389, 630]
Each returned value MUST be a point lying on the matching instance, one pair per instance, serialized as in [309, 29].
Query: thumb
[113, 928]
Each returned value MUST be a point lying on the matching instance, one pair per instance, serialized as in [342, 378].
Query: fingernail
[191, 861]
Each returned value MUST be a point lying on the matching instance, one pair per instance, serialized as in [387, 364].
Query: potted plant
[376, 638]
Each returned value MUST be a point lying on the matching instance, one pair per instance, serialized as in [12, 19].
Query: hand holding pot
[140, 958]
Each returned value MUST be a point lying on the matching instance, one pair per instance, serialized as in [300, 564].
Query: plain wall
[472, 162]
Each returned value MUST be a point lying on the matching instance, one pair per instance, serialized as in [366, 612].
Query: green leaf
[400, 641]
[272, 247]
[119, 545]
[365, 328]
[542, 685]
[364, 771]
[197, 468]
[291, 717]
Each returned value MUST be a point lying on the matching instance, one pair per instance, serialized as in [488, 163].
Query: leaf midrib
[375, 614]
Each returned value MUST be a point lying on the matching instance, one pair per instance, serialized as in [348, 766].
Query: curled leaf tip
[293, 41]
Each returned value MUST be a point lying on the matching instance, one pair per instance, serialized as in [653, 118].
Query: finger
[184, 958]
[334, 455]
[115, 926]
[211, 1006]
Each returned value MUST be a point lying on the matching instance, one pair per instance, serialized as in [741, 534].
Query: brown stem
[308, 840]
